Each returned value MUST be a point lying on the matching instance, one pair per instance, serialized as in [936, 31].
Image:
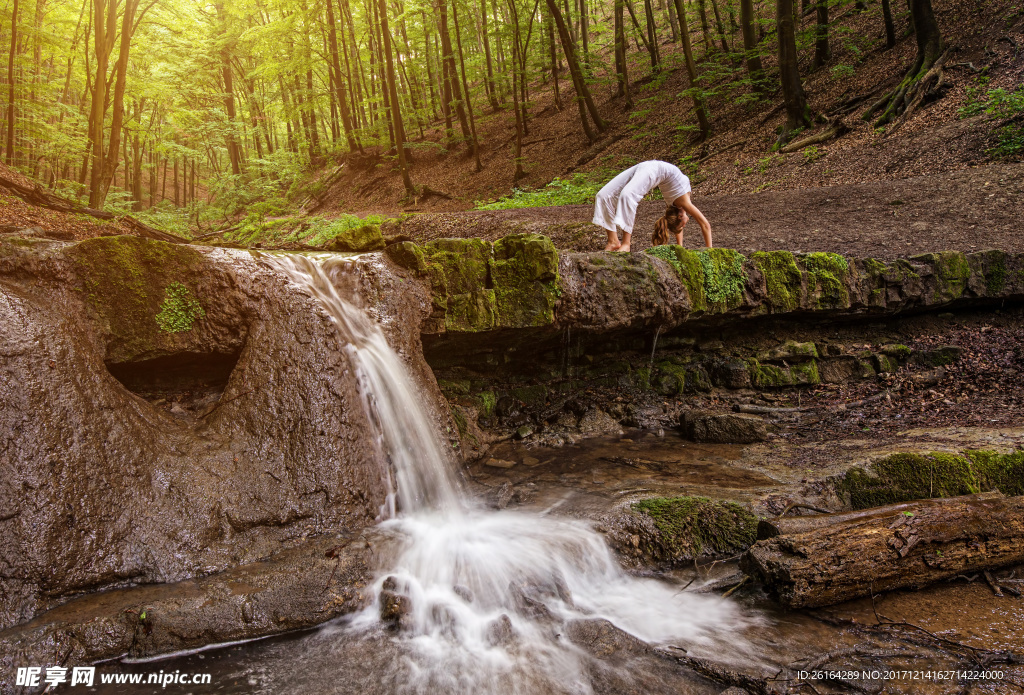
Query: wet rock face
[723, 429]
[110, 475]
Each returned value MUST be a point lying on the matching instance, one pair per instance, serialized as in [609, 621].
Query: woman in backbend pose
[617, 201]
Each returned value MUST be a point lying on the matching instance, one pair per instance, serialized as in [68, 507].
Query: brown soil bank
[966, 210]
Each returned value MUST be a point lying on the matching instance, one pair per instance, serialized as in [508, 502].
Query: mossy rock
[689, 527]
[829, 274]
[480, 286]
[906, 476]
[790, 351]
[782, 277]
[952, 273]
[524, 272]
[359, 239]
[714, 278]
[672, 380]
[142, 291]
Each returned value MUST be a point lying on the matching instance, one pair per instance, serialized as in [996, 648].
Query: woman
[616, 204]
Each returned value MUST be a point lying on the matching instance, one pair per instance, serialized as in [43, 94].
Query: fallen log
[829, 558]
[40, 197]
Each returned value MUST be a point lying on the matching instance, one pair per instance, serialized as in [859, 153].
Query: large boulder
[168, 412]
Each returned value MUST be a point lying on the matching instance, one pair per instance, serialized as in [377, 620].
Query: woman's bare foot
[612, 246]
[623, 248]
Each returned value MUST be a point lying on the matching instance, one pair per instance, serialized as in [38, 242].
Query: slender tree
[797, 112]
[465, 89]
[750, 45]
[822, 47]
[890, 28]
[396, 113]
[699, 108]
[584, 99]
[10, 84]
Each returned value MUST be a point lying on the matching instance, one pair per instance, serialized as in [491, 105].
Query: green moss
[905, 477]
[643, 378]
[487, 401]
[724, 279]
[952, 272]
[829, 272]
[479, 286]
[673, 378]
[768, 375]
[128, 281]
[524, 271]
[668, 254]
[805, 373]
[790, 350]
[692, 274]
[875, 268]
[692, 526]
[782, 277]
[1003, 472]
[995, 272]
[180, 309]
[454, 387]
[897, 351]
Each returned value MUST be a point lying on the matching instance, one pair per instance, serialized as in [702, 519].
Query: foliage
[180, 309]
[577, 190]
[999, 105]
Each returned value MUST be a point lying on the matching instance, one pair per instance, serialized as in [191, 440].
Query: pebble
[531, 461]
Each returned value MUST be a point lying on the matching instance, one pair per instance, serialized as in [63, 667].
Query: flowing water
[490, 594]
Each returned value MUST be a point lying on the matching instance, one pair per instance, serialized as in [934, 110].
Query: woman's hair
[671, 221]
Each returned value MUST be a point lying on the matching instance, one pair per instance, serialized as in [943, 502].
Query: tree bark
[465, 88]
[583, 96]
[822, 47]
[719, 26]
[441, 7]
[652, 37]
[396, 114]
[838, 557]
[699, 107]
[890, 28]
[704, 29]
[10, 84]
[621, 65]
[754, 67]
[550, 26]
[492, 92]
[343, 99]
[797, 112]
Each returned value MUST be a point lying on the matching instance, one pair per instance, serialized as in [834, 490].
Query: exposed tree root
[922, 82]
[835, 130]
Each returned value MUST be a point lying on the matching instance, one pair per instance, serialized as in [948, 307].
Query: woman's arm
[705, 226]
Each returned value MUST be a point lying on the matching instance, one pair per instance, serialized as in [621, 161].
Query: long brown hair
[669, 222]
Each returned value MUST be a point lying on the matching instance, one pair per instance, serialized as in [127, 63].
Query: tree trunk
[550, 26]
[797, 112]
[838, 557]
[343, 99]
[585, 32]
[465, 88]
[890, 28]
[720, 27]
[492, 92]
[652, 37]
[704, 29]
[699, 108]
[621, 65]
[754, 67]
[822, 48]
[396, 114]
[104, 169]
[516, 76]
[583, 95]
[10, 84]
[926, 72]
[440, 6]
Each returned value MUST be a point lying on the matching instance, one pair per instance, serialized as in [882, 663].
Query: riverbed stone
[728, 428]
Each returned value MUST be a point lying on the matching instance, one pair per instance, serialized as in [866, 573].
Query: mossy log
[827, 559]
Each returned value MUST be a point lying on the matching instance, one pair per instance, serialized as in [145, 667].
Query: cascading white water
[490, 592]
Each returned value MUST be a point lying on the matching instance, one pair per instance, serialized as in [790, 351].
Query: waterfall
[489, 593]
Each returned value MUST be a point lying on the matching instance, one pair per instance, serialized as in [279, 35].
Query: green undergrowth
[577, 190]
[1003, 106]
[343, 233]
[905, 476]
[688, 527]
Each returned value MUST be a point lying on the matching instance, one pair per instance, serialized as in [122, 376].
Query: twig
[728, 593]
[800, 505]
[992, 583]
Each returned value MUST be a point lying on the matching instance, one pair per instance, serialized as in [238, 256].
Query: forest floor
[737, 159]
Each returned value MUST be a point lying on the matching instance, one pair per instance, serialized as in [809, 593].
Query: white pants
[617, 202]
